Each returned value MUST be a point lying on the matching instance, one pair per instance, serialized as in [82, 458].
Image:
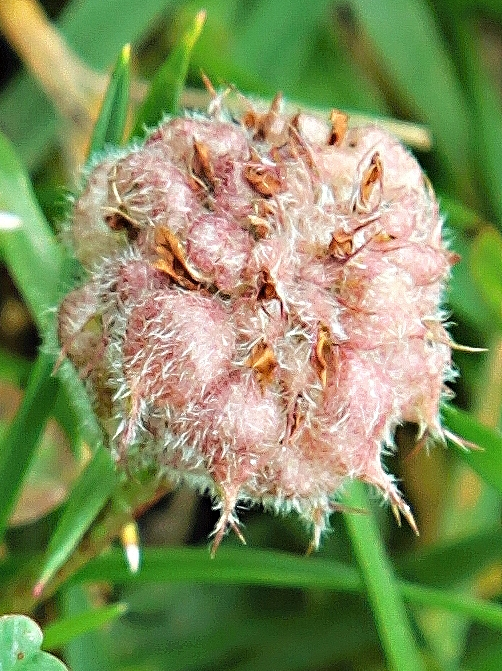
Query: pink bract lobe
[262, 307]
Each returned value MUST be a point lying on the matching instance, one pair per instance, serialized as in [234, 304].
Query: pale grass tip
[9, 221]
[129, 537]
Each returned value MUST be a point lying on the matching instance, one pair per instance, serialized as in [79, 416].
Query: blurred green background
[375, 597]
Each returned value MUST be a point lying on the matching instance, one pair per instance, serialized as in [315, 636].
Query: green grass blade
[486, 152]
[383, 590]
[290, 32]
[165, 91]
[34, 260]
[27, 244]
[88, 496]
[487, 461]
[475, 7]
[484, 612]
[59, 633]
[20, 440]
[234, 566]
[90, 651]
[468, 232]
[460, 217]
[110, 126]
[230, 566]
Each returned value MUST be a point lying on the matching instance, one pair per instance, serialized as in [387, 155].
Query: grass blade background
[88, 496]
[414, 56]
[230, 566]
[41, 270]
[59, 633]
[110, 126]
[488, 460]
[20, 440]
[92, 29]
[390, 614]
[281, 22]
[471, 556]
[31, 253]
[485, 264]
[265, 568]
[483, 612]
[167, 85]
[89, 650]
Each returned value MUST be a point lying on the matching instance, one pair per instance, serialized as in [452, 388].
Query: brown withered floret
[259, 226]
[263, 362]
[173, 261]
[262, 124]
[201, 166]
[265, 179]
[372, 175]
[322, 350]
[266, 286]
[116, 216]
[341, 245]
[120, 221]
[339, 124]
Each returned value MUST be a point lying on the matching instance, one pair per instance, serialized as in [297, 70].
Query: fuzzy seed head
[262, 306]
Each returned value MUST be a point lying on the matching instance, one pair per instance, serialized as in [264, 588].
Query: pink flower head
[262, 307]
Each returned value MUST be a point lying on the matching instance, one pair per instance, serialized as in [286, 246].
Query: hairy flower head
[262, 306]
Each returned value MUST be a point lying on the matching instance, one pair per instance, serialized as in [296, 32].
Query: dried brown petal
[262, 360]
[261, 124]
[259, 226]
[322, 349]
[118, 220]
[265, 179]
[383, 236]
[371, 176]
[173, 261]
[266, 287]
[341, 245]
[339, 124]
[201, 165]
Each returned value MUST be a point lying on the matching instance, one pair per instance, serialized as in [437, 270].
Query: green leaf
[59, 633]
[384, 595]
[110, 126]
[487, 461]
[486, 269]
[27, 245]
[88, 496]
[20, 641]
[165, 92]
[20, 440]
